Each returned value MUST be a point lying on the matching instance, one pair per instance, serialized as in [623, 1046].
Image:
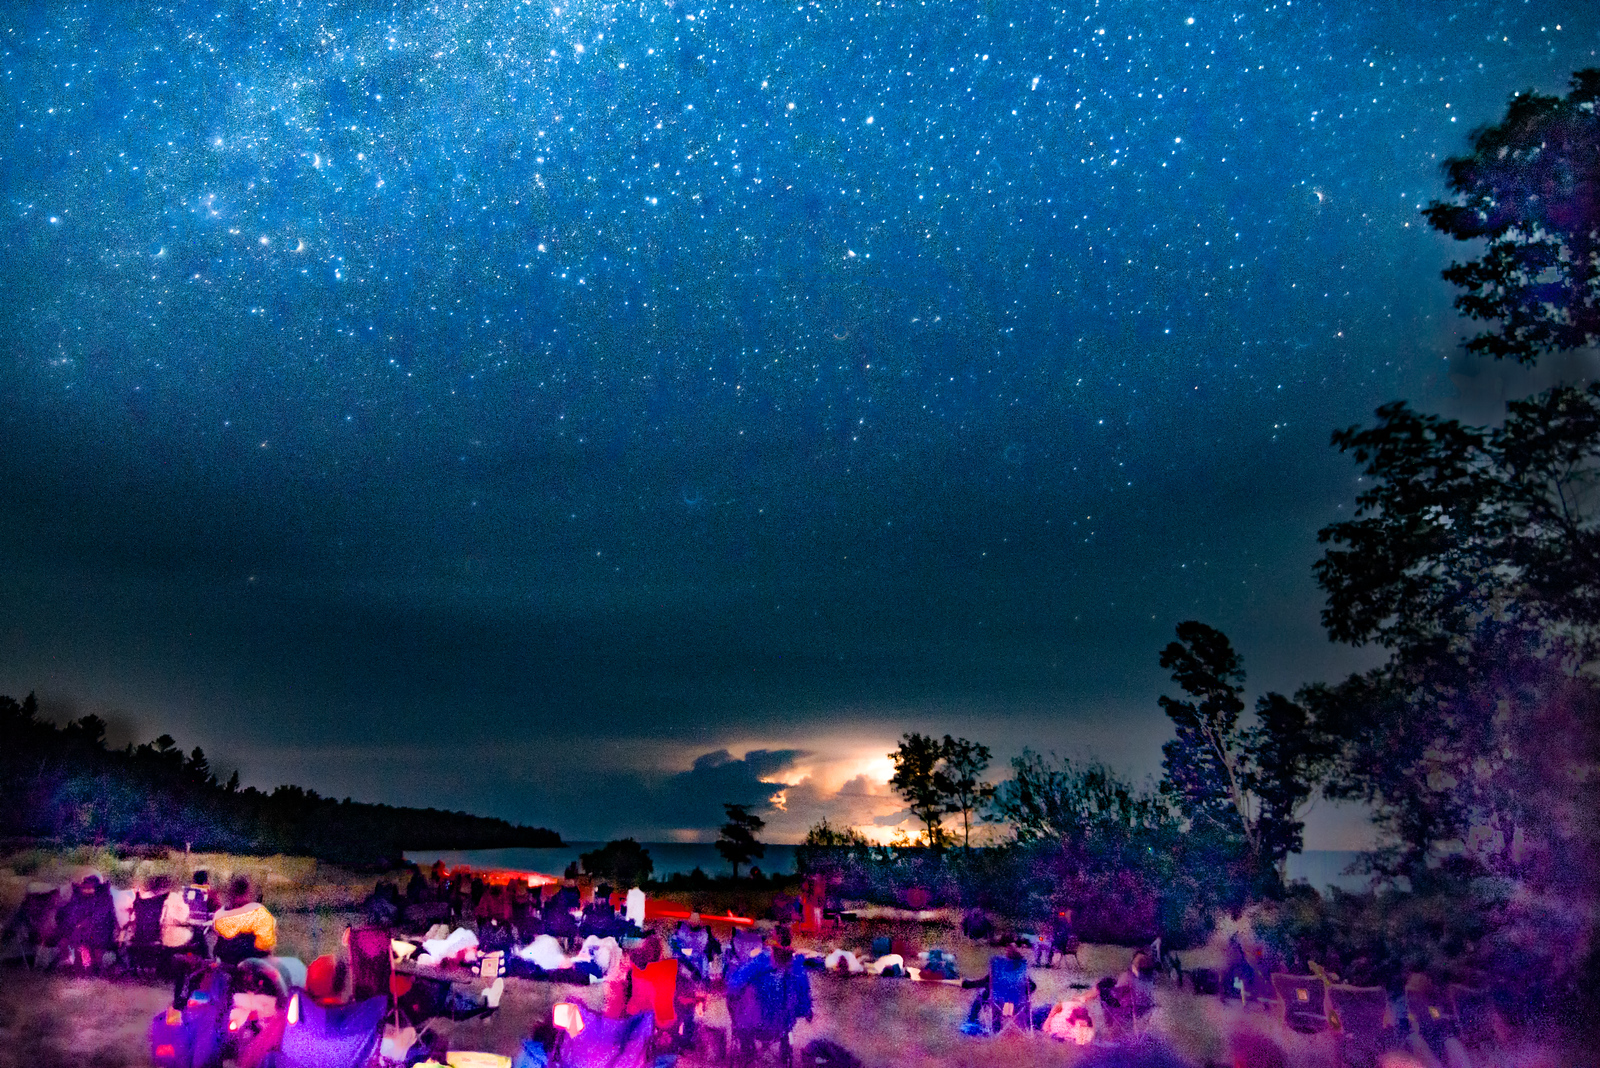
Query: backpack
[198, 898]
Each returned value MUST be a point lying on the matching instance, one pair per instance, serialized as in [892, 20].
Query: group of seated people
[150, 926]
[504, 913]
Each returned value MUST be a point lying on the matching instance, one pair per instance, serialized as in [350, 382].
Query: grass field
[48, 1020]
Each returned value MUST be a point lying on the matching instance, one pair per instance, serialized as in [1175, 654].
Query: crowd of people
[91, 927]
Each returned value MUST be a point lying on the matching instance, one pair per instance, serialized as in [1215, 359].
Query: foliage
[1233, 781]
[64, 783]
[916, 763]
[1530, 189]
[830, 851]
[737, 839]
[1113, 853]
[623, 862]
[1204, 763]
[940, 777]
[1474, 559]
[957, 780]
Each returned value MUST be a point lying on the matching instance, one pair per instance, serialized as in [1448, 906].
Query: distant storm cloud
[693, 799]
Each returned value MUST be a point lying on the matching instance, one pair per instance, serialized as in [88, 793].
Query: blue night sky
[588, 413]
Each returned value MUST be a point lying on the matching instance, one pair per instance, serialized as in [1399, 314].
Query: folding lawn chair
[654, 989]
[1304, 1002]
[764, 1001]
[591, 1040]
[330, 1036]
[145, 952]
[1010, 1002]
[1363, 1034]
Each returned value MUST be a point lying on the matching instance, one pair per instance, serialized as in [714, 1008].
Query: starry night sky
[588, 413]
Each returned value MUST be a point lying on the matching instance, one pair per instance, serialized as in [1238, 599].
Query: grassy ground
[49, 1020]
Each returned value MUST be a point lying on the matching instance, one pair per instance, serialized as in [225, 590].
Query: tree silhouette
[1474, 559]
[1231, 780]
[916, 763]
[737, 840]
[1530, 189]
[958, 782]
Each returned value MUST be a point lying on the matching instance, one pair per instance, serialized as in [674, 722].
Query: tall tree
[959, 780]
[1204, 764]
[1230, 779]
[737, 840]
[1474, 559]
[916, 765]
[1530, 190]
[1288, 757]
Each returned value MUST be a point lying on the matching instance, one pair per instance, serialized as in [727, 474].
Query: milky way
[690, 375]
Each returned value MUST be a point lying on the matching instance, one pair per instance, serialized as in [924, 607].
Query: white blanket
[544, 951]
[436, 950]
[843, 958]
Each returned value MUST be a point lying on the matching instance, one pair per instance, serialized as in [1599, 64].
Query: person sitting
[1059, 937]
[975, 1013]
[976, 925]
[416, 888]
[246, 929]
[88, 923]
[200, 897]
[689, 944]
[1137, 985]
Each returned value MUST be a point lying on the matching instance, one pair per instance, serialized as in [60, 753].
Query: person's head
[240, 892]
[201, 877]
[158, 884]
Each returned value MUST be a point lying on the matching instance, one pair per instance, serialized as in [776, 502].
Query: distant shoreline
[1319, 867]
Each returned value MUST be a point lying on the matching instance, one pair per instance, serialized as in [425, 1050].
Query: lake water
[669, 858]
[1319, 867]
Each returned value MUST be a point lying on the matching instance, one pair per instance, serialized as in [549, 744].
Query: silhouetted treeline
[64, 783]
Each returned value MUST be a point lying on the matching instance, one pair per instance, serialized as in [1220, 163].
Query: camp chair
[1362, 1032]
[1120, 1019]
[371, 964]
[372, 975]
[1009, 999]
[1474, 1012]
[764, 1001]
[145, 952]
[1303, 999]
[654, 989]
[1432, 1018]
[34, 922]
[332, 1036]
[591, 1040]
